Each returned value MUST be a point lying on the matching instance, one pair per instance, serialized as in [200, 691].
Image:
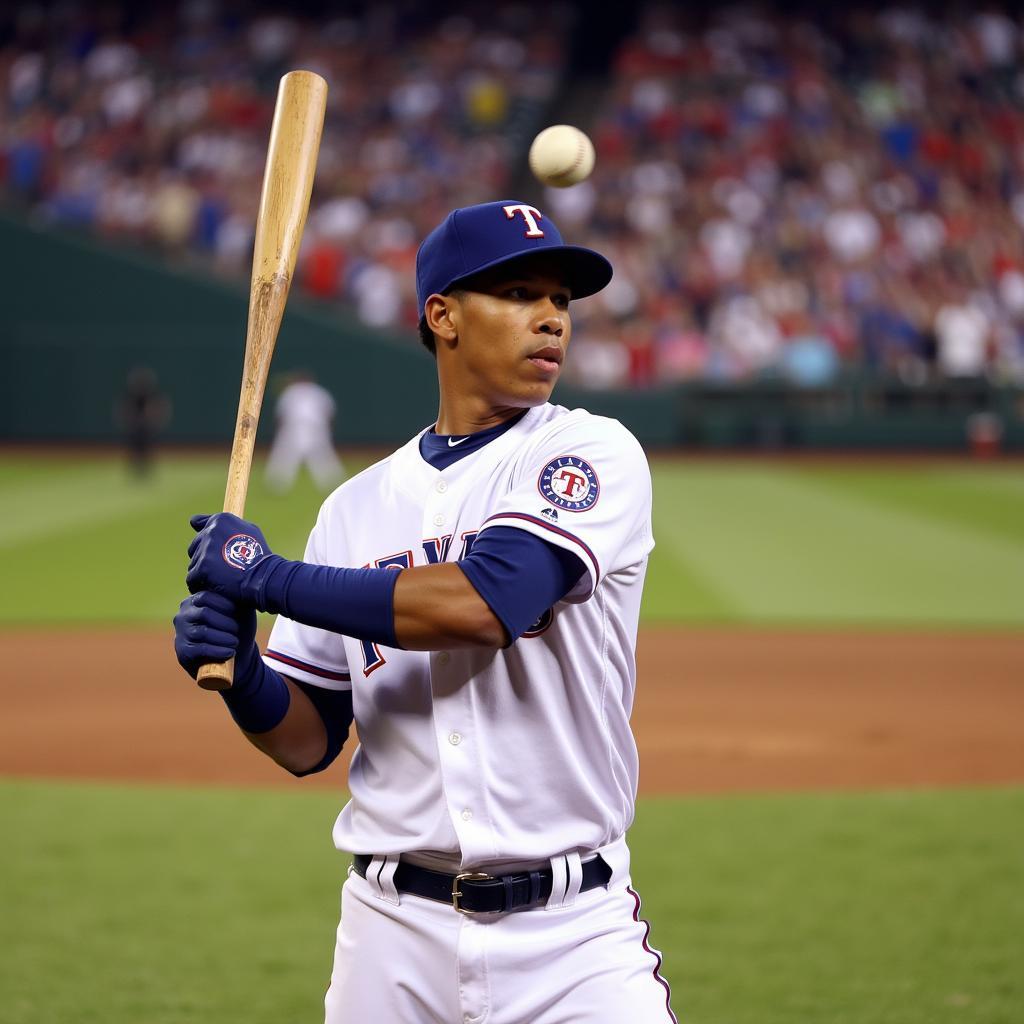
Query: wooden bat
[284, 202]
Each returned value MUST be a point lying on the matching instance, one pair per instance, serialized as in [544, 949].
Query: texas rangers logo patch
[570, 483]
[242, 551]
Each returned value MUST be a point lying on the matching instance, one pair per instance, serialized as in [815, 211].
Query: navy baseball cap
[475, 238]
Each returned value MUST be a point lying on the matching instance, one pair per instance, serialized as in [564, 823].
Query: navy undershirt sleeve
[519, 575]
[335, 708]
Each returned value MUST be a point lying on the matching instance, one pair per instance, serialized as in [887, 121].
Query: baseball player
[304, 414]
[471, 603]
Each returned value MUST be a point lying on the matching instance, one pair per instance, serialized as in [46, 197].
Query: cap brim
[586, 271]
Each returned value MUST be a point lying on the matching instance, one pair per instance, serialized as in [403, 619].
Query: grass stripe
[782, 546]
[111, 549]
[676, 590]
[984, 503]
[80, 497]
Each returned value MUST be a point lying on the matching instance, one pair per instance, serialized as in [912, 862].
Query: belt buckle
[473, 876]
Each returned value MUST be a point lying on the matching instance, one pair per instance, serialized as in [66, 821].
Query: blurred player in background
[304, 435]
[141, 413]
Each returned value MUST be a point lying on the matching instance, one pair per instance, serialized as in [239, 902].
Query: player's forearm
[299, 742]
[426, 608]
[437, 608]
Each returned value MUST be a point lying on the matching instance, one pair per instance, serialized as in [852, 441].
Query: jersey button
[439, 520]
[441, 487]
[467, 814]
[455, 738]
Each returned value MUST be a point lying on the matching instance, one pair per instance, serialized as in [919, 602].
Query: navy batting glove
[230, 556]
[209, 627]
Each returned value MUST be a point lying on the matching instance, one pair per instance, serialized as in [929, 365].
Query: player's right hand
[209, 627]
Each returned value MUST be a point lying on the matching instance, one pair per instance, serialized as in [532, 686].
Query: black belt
[473, 892]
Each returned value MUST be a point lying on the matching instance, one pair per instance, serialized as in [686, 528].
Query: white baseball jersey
[492, 757]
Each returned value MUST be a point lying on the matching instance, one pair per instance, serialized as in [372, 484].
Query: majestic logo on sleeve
[570, 483]
[242, 551]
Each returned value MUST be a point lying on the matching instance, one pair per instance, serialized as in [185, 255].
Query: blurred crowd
[786, 197]
[150, 124]
[782, 197]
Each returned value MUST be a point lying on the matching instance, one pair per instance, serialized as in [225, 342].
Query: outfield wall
[78, 315]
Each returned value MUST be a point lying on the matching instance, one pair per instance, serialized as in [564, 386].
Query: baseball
[561, 156]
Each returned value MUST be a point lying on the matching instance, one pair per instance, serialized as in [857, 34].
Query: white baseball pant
[582, 958]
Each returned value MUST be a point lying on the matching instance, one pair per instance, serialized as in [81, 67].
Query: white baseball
[561, 156]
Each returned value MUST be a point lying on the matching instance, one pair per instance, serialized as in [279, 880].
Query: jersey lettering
[436, 549]
[372, 658]
[531, 215]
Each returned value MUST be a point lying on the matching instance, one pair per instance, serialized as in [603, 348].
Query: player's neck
[471, 415]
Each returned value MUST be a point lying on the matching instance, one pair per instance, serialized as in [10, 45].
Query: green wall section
[78, 315]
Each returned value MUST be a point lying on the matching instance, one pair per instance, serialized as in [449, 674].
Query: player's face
[513, 332]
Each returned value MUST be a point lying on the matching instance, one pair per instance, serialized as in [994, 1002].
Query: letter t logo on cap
[530, 215]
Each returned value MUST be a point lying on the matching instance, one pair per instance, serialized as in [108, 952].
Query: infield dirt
[717, 710]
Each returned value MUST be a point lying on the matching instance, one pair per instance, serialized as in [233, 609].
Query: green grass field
[796, 544]
[129, 904]
[938, 545]
[167, 906]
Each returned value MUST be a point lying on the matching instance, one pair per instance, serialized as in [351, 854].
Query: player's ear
[440, 312]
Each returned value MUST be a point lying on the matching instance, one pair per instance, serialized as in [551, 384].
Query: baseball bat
[284, 202]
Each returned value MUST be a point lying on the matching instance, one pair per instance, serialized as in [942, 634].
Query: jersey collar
[443, 450]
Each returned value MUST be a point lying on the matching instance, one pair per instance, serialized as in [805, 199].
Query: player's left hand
[210, 628]
[228, 556]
